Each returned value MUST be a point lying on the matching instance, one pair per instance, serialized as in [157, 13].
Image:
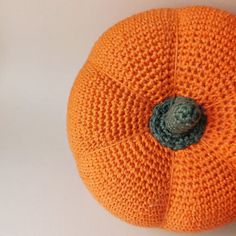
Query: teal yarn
[182, 116]
[178, 122]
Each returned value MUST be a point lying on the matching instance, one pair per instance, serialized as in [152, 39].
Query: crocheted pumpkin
[152, 119]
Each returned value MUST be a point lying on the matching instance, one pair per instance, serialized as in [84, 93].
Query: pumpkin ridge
[96, 67]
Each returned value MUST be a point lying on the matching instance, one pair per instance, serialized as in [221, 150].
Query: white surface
[43, 43]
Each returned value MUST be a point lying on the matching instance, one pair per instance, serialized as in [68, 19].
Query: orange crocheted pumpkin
[152, 119]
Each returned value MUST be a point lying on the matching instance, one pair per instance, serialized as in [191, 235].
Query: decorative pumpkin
[152, 119]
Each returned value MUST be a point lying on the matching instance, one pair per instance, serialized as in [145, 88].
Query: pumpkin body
[134, 66]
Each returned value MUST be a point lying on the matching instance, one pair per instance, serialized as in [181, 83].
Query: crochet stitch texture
[133, 67]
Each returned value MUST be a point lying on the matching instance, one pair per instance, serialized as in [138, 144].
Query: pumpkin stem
[182, 116]
[178, 122]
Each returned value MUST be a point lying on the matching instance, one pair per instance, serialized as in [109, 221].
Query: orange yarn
[134, 66]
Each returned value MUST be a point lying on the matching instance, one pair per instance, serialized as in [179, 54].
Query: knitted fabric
[133, 67]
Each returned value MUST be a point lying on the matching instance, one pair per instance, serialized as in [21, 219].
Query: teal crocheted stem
[178, 122]
[182, 116]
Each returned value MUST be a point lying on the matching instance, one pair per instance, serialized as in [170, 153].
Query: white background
[43, 43]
